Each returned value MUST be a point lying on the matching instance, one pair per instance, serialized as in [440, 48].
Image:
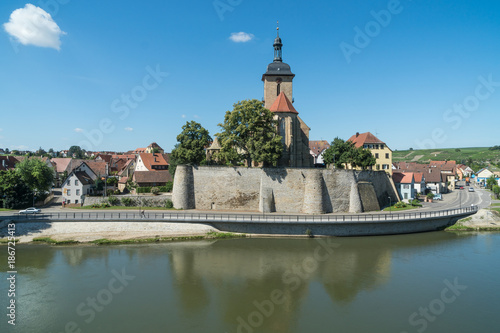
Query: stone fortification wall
[294, 190]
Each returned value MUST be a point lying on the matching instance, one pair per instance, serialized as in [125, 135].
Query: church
[278, 98]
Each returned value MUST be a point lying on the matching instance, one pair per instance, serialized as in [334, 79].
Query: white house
[405, 184]
[482, 175]
[317, 149]
[76, 186]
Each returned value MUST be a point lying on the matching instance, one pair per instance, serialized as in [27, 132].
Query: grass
[125, 208]
[495, 204]
[5, 240]
[209, 235]
[476, 154]
[394, 209]
[49, 240]
[5, 210]
[459, 227]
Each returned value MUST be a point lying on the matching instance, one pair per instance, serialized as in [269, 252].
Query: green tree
[496, 190]
[490, 182]
[112, 181]
[192, 143]
[36, 174]
[364, 158]
[76, 151]
[340, 153]
[14, 193]
[249, 133]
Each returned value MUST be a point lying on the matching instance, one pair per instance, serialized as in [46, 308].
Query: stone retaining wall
[284, 190]
[147, 200]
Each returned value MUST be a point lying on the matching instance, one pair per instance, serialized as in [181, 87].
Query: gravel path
[89, 231]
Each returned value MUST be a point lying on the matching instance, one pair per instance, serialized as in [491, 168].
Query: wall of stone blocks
[282, 190]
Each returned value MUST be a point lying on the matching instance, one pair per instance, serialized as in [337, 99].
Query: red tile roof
[282, 104]
[8, 162]
[153, 161]
[418, 176]
[99, 167]
[317, 147]
[364, 138]
[160, 176]
[402, 178]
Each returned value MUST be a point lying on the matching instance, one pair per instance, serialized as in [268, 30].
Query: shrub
[105, 205]
[117, 192]
[430, 195]
[114, 201]
[415, 203]
[167, 188]
[110, 192]
[400, 204]
[127, 201]
[144, 189]
[155, 190]
[169, 203]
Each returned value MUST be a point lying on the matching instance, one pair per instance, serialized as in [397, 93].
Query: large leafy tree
[249, 133]
[192, 143]
[36, 174]
[341, 153]
[364, 158]
[76, 151]
[14, 193]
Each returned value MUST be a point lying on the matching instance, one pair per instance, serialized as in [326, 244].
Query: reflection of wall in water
[251, 269]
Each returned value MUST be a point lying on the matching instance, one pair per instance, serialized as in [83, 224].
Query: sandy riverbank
[90, 231]
[484, 219]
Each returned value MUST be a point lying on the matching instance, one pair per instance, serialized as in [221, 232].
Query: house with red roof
[378, 148]
[405, 184]
[317, 148]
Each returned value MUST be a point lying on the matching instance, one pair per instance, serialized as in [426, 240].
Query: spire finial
[278, 28]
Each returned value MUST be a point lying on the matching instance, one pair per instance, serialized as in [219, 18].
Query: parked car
[471, 189]
[31, 210]
[438, 197]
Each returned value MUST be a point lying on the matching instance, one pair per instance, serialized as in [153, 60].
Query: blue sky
[421, 73]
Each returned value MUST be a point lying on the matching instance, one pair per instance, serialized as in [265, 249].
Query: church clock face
[279, 80]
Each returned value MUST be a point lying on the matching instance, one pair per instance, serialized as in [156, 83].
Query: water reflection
[224, 285]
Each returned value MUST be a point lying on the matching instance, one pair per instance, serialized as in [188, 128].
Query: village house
[317, 148]
[379, 150]
[482, 175]
[405, 184]
[151, 169]
[77, 186]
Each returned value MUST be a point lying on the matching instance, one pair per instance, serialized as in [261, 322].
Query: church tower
[278, 77]
[278, 98]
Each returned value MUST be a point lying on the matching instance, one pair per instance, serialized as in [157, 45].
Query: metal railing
[186, 216]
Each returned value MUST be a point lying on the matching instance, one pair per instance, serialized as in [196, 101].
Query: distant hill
[480, 157]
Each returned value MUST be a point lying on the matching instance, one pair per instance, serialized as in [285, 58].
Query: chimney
[357, 134]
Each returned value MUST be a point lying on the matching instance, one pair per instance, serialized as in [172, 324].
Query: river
[428, 282]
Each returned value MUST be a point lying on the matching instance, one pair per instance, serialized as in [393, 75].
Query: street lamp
[390, 205]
